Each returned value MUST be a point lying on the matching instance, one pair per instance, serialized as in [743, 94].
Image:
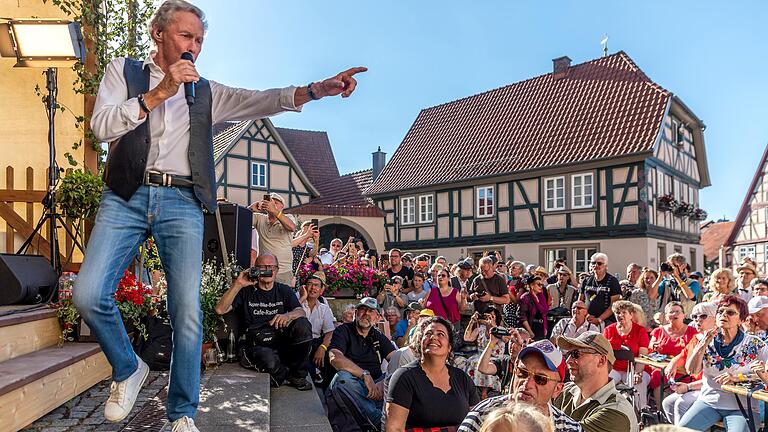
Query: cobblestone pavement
[86, 412]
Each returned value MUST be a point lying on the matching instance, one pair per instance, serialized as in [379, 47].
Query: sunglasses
[576, 354]
[699, 316]
[539, 379]
[727, 312]
[596, 263]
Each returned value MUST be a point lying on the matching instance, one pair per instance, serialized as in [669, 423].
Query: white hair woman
[670, 339]
[676, 404]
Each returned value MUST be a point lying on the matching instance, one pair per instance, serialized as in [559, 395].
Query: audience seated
[628, 331]
[357, 352]
[478, 332]
[576, 324]
[320, 317]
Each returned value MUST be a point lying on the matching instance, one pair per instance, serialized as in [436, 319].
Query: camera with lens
[255, 273]
[665, 267]
[500, 332]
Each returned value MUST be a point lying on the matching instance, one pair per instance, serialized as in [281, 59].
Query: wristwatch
[365, 372]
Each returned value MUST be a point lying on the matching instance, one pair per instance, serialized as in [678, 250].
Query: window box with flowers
[699, 215]
[683, 209]
[666, 203]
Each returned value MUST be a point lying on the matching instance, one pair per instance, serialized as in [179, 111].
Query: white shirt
[321, 318]
[255, 240]
[114, 114]
[750, 349]
[567, 327]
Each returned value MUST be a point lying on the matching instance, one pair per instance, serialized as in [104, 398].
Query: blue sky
[423, 53]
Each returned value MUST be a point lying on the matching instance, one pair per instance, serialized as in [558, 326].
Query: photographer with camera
[275, 232]
[479, 331]
[278, 334]
[488, 287]
[674, 285]
[396, 268]
[392, 295]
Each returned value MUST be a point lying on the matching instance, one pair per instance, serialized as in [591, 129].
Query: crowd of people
[480, 342]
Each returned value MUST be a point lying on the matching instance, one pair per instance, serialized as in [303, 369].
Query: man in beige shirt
[275, 233]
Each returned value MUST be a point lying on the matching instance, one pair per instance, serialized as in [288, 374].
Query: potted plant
[666, 203]
[699, 214]
[683, 209]
[215, 280]
[134, 300]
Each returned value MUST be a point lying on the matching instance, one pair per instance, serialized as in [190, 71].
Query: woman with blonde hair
[519, 417]
[629, 330]
[722, 282]
[644, 294]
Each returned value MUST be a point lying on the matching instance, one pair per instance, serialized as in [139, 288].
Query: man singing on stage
[159, 180]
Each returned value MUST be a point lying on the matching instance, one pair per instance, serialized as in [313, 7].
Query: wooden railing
[19, 227]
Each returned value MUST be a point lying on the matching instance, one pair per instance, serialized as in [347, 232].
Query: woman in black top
[430, 392]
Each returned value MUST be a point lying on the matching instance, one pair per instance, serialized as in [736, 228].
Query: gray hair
[349, 307]
[485, 260]
[705, 308]
[392, 309]
[517, 264]
[601, 256]
[677, 257]
[164, 14]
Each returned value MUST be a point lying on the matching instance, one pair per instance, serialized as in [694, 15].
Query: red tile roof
[313, 152]
[601, 109]
[713, 236]
[343, 196]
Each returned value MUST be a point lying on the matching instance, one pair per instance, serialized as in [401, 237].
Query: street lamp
[45, 43]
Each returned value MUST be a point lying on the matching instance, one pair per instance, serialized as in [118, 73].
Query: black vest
[127, 159]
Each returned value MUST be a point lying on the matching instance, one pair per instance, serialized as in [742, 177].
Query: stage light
[42, 43]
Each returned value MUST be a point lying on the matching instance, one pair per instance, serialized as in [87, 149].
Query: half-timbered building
[254, 158]
[561, 165]
[749, 236]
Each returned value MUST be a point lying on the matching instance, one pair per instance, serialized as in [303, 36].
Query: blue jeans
[701, 417]
[174, 217]
[356, 386]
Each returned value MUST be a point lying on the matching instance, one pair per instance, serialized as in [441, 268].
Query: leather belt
[167, 180]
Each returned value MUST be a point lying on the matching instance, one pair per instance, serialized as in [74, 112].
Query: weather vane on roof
[604, 43]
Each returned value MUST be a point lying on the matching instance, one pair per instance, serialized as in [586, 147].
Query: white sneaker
[184, 424]
[122, 395]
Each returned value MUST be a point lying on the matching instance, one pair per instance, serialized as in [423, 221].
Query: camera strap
[223, 241]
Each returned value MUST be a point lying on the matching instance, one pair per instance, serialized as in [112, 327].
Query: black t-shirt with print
[429, 406]
[598, 294]
[405, 273]
[259, 306]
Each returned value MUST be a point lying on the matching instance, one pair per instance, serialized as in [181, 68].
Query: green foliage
[215, 280]
[79, 194]
[117, 29]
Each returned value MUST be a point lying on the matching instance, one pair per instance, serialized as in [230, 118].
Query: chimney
[560, 66]
[379, 160]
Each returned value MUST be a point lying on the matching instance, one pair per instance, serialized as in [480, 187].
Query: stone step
[233, 398]
[299, 411]
[24, 330]
[36, 383]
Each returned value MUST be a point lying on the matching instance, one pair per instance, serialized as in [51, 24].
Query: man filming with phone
[278, 333]
[275, 232]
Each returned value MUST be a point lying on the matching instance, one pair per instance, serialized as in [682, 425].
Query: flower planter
[663, 206]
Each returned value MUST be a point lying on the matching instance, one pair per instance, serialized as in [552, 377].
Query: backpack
[344, 414]
[156, 349]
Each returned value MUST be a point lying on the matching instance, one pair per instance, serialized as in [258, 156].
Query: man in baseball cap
[758, 310]
[539, 372]
[591, 398]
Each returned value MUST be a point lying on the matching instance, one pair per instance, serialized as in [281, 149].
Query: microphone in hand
[189, 87]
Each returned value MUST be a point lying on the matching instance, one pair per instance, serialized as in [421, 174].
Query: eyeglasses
[727, 312]
[539, 379]
[596, 263]
[265, 267]
[576, 354]
[699, 316]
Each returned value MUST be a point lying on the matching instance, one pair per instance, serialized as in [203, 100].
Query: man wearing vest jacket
[159, 179]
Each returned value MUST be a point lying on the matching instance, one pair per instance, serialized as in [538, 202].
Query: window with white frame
[408, 211]
[554, 193]
[426, 209]
[582, 190]
[258, 175]
[581, 258]
[485, 201]
[552, 255]
[747, 251]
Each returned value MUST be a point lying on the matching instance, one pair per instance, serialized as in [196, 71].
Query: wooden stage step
[25, 331]
[34, 384]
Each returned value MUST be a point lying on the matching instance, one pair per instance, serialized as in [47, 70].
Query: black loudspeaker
[25, 279]
[236, 223]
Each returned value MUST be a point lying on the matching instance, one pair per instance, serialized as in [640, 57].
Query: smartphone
[315, 223]
[266, 197]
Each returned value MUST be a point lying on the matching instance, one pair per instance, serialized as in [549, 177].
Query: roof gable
[751, 199]
[600, 109]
